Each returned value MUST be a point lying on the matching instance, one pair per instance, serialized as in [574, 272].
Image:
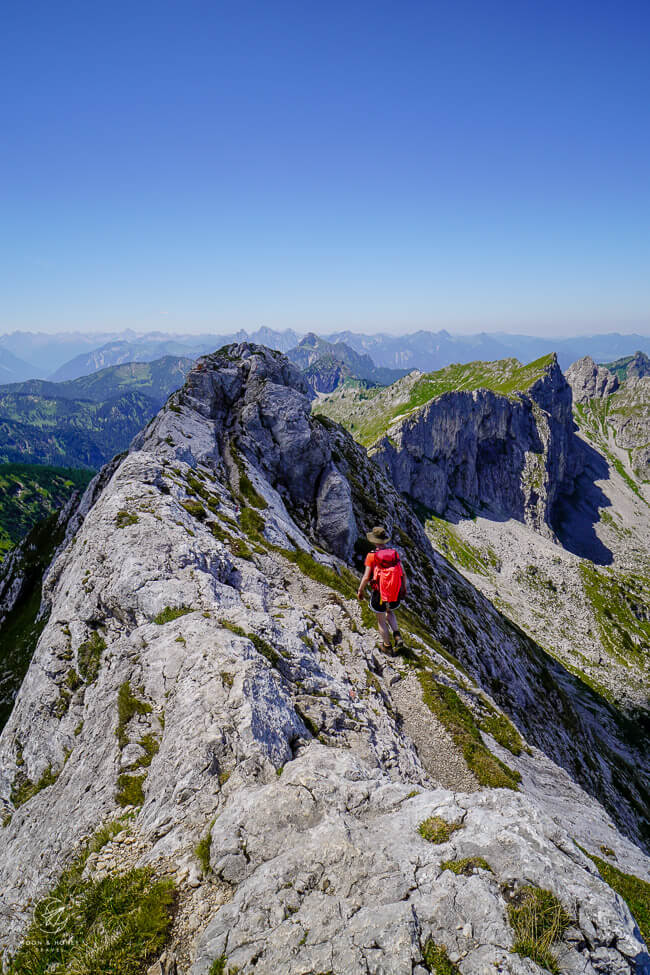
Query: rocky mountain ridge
[511, 452]
[206, 669]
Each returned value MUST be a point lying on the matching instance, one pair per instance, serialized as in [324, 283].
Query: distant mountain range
[64, 356]
[327, 365]
[84, 422]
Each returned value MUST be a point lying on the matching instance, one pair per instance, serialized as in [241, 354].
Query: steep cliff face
[207, 671]
[508, 453]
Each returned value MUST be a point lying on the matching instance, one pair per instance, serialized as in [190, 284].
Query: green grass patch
[89, 655]
[114, 926]
[457, 718]
[467, 866]
[240, 549]
[202, 852]
[246, 488]
[128, 705]
[170, 613]
[502, 730]
[437, 830]
[252, 522]
[436, 960]
[621, 604]
[23, 789]
[195, 509]
[260, 644]
[539, 921]
[129, 790]
[463, 554]
[218, 967]
[125, 518]
[634, 891]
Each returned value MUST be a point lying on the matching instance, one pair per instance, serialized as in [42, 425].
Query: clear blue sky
[193, 166]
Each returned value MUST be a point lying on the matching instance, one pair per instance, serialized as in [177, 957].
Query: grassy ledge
[116, 926]
[457, 718]
[634, 891]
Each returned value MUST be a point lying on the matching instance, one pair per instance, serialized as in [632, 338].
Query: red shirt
[370, 564]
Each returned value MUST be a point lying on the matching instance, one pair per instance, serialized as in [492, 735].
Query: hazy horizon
[641, 329]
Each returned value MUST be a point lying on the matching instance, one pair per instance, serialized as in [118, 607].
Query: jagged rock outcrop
[512, 454]
[208, 668]
[639, 366]
[588, 380]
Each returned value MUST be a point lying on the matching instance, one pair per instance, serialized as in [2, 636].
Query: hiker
[388, 583]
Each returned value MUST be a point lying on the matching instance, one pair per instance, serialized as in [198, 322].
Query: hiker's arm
[364, 582]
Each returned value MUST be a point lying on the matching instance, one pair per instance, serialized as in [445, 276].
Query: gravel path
[438, 753]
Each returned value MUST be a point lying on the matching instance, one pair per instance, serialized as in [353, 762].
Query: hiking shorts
[380, 607]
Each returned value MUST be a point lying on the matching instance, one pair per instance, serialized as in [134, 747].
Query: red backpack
[387, 575]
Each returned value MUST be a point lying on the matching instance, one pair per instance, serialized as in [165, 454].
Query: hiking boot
[399, 643]
[387, 649]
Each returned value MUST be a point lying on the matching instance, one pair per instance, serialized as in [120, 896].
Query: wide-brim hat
[378, 535]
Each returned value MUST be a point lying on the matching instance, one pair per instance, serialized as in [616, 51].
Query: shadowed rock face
[512, 455]
[587, 380]
[260, 402]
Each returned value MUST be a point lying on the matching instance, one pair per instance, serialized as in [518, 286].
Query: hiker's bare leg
[383, 628]
[392, 622]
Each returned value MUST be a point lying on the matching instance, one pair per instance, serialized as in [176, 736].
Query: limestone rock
[588, 380]
[511, 454]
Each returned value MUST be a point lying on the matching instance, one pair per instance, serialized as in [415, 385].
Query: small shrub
[539, 921]
[151, 746]
[73, 680]
[62, 703]
[126, 518]
[467, 866]
[437, 961]
[170, 613]
[202, 851]
[129, 790]
[226, 678]
[89, 655]
[436, 830]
